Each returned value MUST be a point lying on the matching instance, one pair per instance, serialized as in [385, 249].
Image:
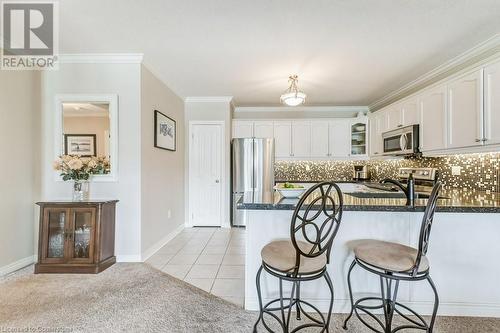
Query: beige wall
[124, 80]
[89, 125]
[20, 166]
[162, 171]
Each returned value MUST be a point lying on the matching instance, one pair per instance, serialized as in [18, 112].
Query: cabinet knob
[479, 140]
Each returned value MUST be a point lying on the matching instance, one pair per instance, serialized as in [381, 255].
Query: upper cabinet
[242, 129]
[465, 110]
[263, 129]
[301, 138]
[340, 138]
[394, 116]
[309, 138]
[320, 138]
[492, 104]
[410, 112]
[433, 127]
[378, 124]
[283, 138]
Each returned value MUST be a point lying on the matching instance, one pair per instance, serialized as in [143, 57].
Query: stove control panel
[418, 173]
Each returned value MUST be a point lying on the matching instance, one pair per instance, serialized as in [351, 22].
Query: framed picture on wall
[80, 144]
[165, 132]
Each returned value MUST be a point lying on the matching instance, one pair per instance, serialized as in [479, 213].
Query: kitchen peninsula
[463, 248]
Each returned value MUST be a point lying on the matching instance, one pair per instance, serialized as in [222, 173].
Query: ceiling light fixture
[293, 96]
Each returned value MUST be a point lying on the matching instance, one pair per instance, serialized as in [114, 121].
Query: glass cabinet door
[53, 246]
[82, 234]
[358, 139]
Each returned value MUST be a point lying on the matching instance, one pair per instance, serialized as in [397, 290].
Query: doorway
[206, 183]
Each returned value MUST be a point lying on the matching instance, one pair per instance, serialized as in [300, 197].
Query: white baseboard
[158, 245]
[17, 265]
[424, 308]
[128, 258]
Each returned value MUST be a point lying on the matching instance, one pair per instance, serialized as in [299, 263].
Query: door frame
[223, 178]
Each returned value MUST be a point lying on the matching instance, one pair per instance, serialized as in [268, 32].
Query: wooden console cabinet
[76, 237]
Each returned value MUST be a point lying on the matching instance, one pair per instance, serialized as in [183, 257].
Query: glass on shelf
[82, 233]
[56, 234]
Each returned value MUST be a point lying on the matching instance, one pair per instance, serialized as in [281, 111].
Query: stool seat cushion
[280, 255]
[387, 256]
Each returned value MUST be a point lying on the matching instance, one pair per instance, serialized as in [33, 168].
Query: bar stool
[314, 225]
[393, 263]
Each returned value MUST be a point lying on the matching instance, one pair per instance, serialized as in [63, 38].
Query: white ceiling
[346, 52]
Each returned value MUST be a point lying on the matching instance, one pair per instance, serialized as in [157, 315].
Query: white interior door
[205, 173]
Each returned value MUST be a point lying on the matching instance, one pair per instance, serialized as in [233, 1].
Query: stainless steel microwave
[402, 141]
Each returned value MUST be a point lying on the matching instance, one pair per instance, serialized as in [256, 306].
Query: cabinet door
[263, 129]
[358, 137]
[394, 118]
[340, 138]
[242, 129]
[283, 138]
[319, 139]
[81, 235]
[301, 138]
[410, 112]
[492, 104]
[378, 125]
[433, 119]
[465, 121]
[54, 234]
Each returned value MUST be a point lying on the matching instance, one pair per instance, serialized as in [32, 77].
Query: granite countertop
[453, 201]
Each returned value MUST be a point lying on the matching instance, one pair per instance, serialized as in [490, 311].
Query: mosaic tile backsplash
[480, 172]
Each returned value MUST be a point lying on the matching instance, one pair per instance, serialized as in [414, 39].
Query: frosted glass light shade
[293, 98]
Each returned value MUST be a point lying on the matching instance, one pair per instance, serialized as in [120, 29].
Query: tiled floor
[212, 259]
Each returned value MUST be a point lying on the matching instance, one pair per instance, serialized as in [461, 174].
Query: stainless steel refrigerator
[252, 164]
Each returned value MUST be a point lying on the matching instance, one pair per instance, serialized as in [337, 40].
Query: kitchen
[231, 166]
[448, 131]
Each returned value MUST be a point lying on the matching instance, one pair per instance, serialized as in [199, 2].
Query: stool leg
[330, 285]
[297, 305]
[350, 293]
[257, 281]
[282, 306]
[388, 300]
[436, 304]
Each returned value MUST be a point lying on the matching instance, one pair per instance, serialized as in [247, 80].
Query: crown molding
[100, 58]
[301, 109]
[475, 55]
[210, 99]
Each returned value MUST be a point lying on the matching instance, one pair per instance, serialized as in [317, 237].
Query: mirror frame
[112, 100]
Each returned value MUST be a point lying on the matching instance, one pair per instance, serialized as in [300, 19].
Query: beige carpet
[139, 298]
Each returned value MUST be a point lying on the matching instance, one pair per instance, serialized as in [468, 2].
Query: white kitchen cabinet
[301, 138]
[319, 139]
[492, 104]
[410, 112]
[433, 127]
[340, 138]
[242, 129]
[378, 124]
[283, 138]
[394, 116]
[263, 129]
[465, 110]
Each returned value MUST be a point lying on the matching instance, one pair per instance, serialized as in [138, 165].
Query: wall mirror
[86, 126]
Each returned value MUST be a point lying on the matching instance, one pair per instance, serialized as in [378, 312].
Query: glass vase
[80, 190]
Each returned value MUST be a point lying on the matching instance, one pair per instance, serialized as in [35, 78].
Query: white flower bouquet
[79, 168]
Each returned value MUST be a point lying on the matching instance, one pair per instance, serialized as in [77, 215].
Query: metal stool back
[310, 208]
[389, 289]
[322, 202]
